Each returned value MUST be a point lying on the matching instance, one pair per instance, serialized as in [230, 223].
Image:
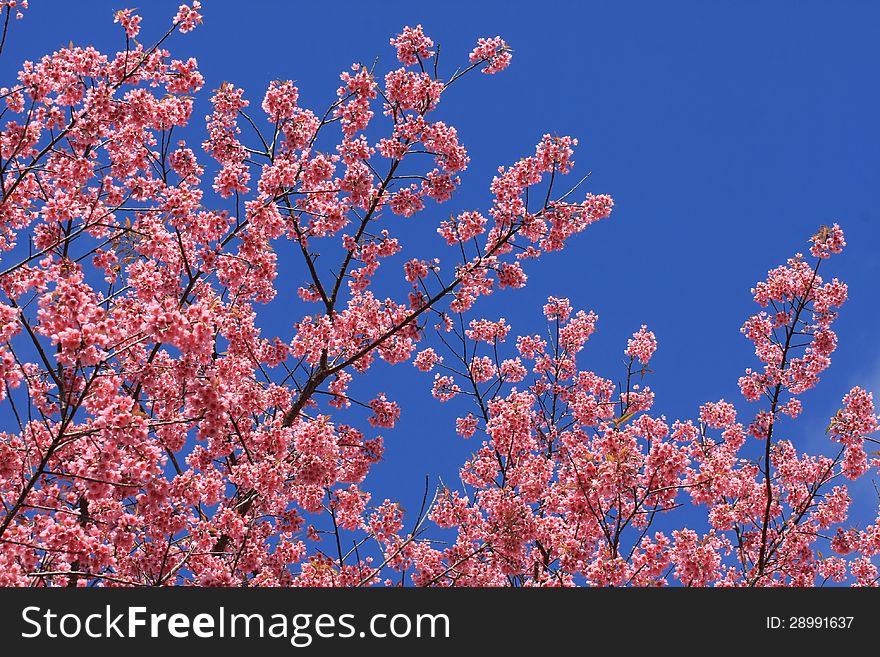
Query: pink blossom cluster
[15, 5]
[572, 471]
[188, 17]
[494, 51]
[642, 345]
[161, 443]
[827, 241]
[412, 45]
[129, 21]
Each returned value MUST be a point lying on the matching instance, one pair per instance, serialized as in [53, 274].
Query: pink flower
[407, 202]
[406, 90]
[466, 426]
[385, 413]
[412, 44]
[827, 241]
[482, 369]
[488, 331]
[426, 360]
[18, 5]
[494, 51]
[188, 16]
[557, 309]
[697, 560]
[130, 22]
[718, 415]
[642, 345]
[279, 102]
[554, 153]
[445, 388]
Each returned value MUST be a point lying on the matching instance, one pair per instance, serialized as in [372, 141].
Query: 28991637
[809, 622]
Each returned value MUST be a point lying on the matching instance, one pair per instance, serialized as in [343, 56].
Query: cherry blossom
[155, 434]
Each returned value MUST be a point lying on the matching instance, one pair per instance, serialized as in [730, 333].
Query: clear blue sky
[726, 132]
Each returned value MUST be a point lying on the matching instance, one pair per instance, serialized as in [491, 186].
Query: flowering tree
[154, 436]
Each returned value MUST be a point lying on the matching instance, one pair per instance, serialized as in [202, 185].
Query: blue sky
[726, 132]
